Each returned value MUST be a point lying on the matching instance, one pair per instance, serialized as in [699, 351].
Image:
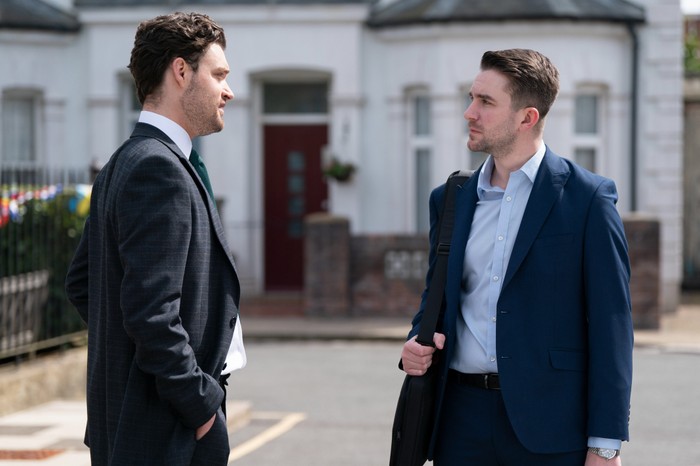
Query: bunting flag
[13, 200]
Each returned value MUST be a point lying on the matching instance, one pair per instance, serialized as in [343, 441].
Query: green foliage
[339, 171]
[42, 235]
[692, 55]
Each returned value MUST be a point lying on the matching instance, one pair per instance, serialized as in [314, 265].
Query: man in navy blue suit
[534, 350]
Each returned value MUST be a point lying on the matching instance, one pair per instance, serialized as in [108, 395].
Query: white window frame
[590, 141]
[36, 156]
[419, 217]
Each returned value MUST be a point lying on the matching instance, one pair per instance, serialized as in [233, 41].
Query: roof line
[376, 24]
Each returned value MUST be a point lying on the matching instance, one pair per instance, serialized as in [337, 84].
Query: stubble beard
[498, 146]
[198, 109]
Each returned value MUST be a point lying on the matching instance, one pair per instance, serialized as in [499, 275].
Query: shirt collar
[530, 169]
[171, 129]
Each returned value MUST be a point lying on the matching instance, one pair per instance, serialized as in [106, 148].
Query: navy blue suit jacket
[564, 333]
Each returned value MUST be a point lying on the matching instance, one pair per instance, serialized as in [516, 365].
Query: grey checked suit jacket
[154, 279]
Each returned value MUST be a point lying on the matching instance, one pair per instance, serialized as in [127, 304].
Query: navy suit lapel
[465, 205]
[549, 182]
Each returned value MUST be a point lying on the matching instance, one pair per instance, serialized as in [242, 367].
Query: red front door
[294, 187]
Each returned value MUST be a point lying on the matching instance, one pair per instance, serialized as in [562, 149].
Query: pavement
[51, 434]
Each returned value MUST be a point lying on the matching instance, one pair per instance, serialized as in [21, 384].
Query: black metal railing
[42, 212]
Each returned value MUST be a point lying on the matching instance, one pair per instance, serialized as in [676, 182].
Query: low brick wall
[643, 236]
[384, 275]
[387, 274]
[327, 265]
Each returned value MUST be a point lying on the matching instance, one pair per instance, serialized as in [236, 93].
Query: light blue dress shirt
[494, 228]
[495, 225]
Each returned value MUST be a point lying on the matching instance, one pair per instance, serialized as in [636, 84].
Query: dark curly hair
[534, 80]
[162, 39]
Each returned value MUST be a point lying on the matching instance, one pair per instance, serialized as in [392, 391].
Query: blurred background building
[326, 85]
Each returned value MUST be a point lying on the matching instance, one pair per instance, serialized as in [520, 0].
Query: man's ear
[530, 118]
[179, 69]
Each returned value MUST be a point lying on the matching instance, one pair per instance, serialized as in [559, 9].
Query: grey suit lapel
[550, 181]
[146, 130]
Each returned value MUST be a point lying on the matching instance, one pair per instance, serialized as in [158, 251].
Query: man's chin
[474, 147]
[213, 129]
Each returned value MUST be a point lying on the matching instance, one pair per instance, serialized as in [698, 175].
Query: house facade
[382, 86]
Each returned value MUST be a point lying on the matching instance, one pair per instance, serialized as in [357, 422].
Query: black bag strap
[436, 290]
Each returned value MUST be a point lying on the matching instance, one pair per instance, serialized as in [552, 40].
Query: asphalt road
[332, 403]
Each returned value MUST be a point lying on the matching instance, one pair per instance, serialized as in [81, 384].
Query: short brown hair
[162, 39]
[534, 80]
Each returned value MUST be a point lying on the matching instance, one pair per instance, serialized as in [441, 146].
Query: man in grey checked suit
[153, 276]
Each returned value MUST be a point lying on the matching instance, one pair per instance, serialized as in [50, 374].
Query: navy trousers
[474, 430]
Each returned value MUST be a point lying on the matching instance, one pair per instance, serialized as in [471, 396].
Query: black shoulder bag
[413, 421]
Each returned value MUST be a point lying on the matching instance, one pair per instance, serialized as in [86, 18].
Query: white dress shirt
[236, 356]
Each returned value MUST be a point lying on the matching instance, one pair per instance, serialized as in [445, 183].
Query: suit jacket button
[232, 322]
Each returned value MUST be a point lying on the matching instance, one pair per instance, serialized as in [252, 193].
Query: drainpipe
[633, 110]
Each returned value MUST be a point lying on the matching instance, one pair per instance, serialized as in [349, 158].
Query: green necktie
[198, 164]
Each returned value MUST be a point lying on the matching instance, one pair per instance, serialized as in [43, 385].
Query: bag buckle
[443, 249]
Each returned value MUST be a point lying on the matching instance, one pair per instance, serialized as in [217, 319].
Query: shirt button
[493, 319]
[500, 237]
[493, 359]
[508, 198]
[495, 278]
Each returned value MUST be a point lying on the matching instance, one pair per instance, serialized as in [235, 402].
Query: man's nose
[469, 113]
[228, 93]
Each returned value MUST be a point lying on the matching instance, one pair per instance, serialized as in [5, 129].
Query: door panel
[294, 187]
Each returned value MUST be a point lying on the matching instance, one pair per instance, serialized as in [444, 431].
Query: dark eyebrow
[483, 96]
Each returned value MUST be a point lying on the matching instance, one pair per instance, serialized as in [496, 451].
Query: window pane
[295, 98]
[422, 190]
[586, 119]
[295, 228]
[421, 126]
[296, 161]
[296, 206]
[18, 131]
[585, 157]
[295, 184]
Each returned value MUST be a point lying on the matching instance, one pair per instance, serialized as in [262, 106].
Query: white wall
[370, 71]
[446, 58]
[660, 172]
[264, 40]
[49, 62]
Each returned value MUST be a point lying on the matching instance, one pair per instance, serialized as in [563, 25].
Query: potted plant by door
[338, 170]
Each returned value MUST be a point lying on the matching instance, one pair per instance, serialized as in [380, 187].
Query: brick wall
[387, 274]
[643, 237]
[327, 265]
[384, 275]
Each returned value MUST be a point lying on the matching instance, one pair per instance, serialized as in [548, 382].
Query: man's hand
[204, 428]
[594, 460]
[416, 358]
